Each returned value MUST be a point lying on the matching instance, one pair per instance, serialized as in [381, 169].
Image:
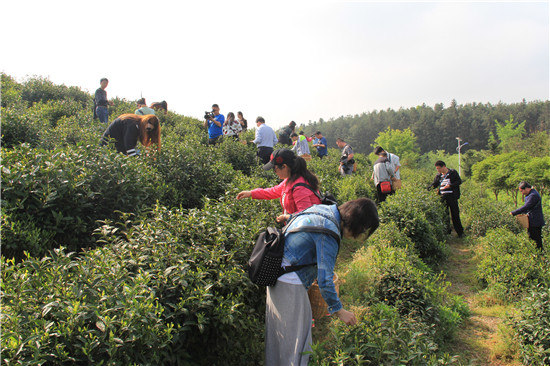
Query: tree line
[437, 127]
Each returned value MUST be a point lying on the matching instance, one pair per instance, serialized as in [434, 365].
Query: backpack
[326, 199]
[264, 265]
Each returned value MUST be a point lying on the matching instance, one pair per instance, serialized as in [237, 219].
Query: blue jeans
[102, 114]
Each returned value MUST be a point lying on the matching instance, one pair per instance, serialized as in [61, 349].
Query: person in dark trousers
[447, 182]
[101, 102]
[128, 129]
[533, 208]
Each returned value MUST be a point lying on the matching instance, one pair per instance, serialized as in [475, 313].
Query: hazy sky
[284, 60]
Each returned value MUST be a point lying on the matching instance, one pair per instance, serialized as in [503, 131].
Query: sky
[284, 60]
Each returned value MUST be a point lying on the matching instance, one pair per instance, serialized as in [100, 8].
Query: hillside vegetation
[109, 259]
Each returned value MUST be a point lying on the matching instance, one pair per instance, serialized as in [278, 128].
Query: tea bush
[53, 198]
[480, 214]
[397, 277]
[382, 336]
[171, 286]
[532, 326]
[422, 217]
[510, 265]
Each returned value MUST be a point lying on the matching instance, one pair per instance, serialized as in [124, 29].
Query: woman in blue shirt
[288, 310]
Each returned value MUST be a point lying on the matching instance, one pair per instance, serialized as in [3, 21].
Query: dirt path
[479, 340]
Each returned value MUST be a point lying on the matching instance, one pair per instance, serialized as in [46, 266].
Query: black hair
[299, 169]
[378, 150]
[292, 124]
[440, 163]
[103, 79]
[215, 106]
[260, 119]
[293, 134]
[524, 185]
[359, 216]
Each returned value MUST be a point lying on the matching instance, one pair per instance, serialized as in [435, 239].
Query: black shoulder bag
[265, 263]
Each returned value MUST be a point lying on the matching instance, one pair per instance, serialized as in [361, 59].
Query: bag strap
[308, 187]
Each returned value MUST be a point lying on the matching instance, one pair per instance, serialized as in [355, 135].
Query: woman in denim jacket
[288, 311]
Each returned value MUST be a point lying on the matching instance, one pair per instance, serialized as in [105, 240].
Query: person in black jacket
[447, 182]
[533, 209]
[127, 129]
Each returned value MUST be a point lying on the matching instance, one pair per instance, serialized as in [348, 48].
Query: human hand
[244, 194]
[282, 218]
[346, 316]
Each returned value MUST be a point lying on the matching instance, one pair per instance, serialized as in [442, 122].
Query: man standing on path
[265, 140]
[320, 143]
[101, 102]
[346, 160]
[447, 182]
[533, 208]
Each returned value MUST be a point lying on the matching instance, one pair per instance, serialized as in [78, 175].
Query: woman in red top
[291, 169]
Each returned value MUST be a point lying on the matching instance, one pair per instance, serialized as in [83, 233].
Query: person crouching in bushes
[291, 169]
[288, 310]
[127, 129]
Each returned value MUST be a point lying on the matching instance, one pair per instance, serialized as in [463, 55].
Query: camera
[208, 115]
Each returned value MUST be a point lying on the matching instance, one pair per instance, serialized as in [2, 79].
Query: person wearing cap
[320, 143]
[533, 208]
[284, 134]
[143, 109]
[265, 140]
[392, 159]
[291, 169]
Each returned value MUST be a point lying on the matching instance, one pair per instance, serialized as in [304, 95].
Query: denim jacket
[322, 249]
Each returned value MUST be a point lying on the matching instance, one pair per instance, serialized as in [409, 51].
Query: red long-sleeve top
[291, 200]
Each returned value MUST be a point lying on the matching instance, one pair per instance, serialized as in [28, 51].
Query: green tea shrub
[397, 277]
[354, 187]
[18, 127]
[187, 172]
[480, 214]
[382, 336]
[532, 327]
[241, 157]
[53, 198]
[422, 217]
[38, 89]
[510, 264]
[168, 288]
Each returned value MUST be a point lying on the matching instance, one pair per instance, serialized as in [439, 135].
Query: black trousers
[264, 153]
[535, 233]
[452, 204]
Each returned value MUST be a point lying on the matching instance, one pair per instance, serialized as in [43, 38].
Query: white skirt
[287, 325]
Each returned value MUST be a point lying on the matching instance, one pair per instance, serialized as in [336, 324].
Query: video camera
[208, 115]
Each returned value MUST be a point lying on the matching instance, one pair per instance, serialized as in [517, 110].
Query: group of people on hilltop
[219, 127]
[127, 129]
